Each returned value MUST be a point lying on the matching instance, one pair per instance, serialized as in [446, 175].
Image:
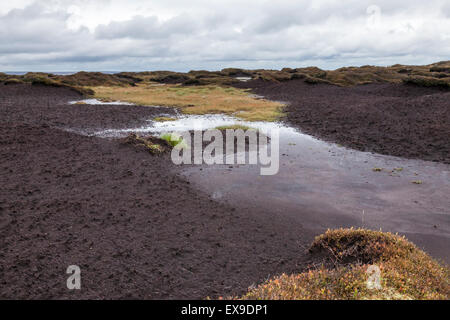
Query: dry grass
[406, 271]
[196, 100]
[424, 81]
[12, 81]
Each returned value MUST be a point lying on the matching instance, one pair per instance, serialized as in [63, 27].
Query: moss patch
[174, 140]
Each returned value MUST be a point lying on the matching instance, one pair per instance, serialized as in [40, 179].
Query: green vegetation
[417, 181]
[174, 140]
[406, 272]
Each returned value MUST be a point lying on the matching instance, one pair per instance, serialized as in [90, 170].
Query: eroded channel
[323, 185]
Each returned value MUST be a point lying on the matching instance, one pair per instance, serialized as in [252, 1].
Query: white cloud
[61, 35]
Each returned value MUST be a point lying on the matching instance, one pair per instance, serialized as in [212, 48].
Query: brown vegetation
[151, 144]
[406, 272]
[436, 74]
[196, 100]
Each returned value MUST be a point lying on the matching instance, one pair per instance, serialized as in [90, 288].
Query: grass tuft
[151, 144]
[406, 272]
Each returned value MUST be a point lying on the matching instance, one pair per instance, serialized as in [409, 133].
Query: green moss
[151, 144]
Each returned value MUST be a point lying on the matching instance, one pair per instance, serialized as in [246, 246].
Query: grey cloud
[32, 30]
[446, 9]
[147, 28]
[249, 35]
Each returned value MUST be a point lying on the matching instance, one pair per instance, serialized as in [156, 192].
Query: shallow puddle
[244, 79]
[201, 122]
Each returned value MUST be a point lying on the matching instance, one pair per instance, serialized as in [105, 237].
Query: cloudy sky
[136, 35]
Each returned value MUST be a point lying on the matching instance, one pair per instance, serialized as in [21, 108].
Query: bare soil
[135, 226]
[126, 218]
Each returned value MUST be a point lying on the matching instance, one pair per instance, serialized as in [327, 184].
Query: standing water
[323, 185]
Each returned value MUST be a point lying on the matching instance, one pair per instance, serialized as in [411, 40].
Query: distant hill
[436, 75]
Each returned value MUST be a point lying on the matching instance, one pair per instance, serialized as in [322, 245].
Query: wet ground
[135, 227]
[141, 228]
[338, 186]
[322, 186]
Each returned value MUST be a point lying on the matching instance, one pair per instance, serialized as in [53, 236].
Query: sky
[140, 35]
